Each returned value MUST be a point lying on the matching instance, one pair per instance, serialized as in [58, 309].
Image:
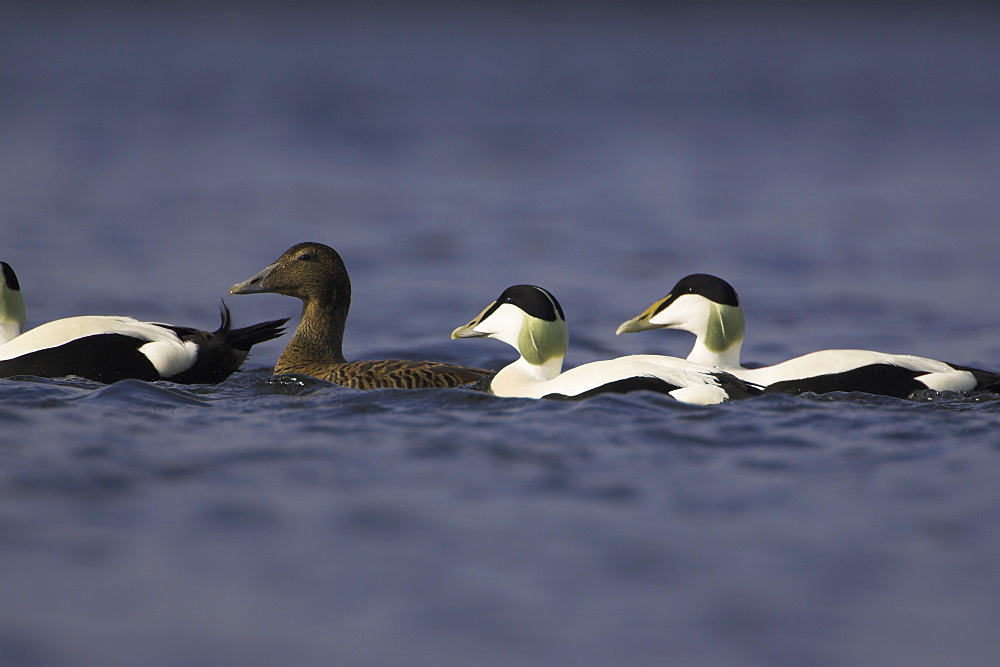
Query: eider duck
[108, 349]
[529, 319]
[315, 273]
[709, 308]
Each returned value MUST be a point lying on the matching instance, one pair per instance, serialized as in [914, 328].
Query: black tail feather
[227, 320]
[246, 337]
[223, 351]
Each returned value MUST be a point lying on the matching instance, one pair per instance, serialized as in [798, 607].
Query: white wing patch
[954, 380]
[705, 394]
[170, 357]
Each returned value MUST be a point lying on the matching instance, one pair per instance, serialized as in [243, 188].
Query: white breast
[9, 330]
[696, 387]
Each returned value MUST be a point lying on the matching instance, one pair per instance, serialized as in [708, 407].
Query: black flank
[639, 383]
[103, 358]
[883, 379]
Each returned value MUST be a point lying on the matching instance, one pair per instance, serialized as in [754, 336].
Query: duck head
[529, 319]
[307, 271]
[706, 306]
[12, 312]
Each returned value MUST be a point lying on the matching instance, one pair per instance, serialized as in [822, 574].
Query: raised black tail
[223, 351]
[246, 337]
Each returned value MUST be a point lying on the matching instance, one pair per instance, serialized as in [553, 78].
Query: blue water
[840, 167]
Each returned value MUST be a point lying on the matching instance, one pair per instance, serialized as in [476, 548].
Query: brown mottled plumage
[316, 274]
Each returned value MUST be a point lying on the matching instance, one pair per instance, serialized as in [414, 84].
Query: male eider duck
[529, 319]
[709, 308]
[108, 349]
[316, 274]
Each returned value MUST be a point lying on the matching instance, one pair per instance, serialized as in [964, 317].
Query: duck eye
[305, 257]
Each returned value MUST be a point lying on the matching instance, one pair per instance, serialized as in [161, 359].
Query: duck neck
[12, 315]
[9, 330]
[720, 343]
[706, 356]
[319, 337]
[515, 379]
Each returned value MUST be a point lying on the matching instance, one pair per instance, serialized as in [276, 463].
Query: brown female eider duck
[316, 274]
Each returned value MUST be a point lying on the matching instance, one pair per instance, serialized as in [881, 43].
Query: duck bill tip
[633, 326]
[466, 331]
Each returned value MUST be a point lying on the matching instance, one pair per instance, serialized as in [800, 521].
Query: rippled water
[839, 168]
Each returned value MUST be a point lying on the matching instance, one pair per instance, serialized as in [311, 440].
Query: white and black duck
[109, 348]
[529, 319]
[709, 308]
[315, 274]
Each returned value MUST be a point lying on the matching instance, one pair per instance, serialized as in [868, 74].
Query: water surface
[839, 168]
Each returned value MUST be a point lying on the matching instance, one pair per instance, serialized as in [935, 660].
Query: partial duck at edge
[315, 274]
[110, 348]
[709, 307]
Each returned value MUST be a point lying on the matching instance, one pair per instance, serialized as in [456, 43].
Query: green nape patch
[541, 341]
[726, 327]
